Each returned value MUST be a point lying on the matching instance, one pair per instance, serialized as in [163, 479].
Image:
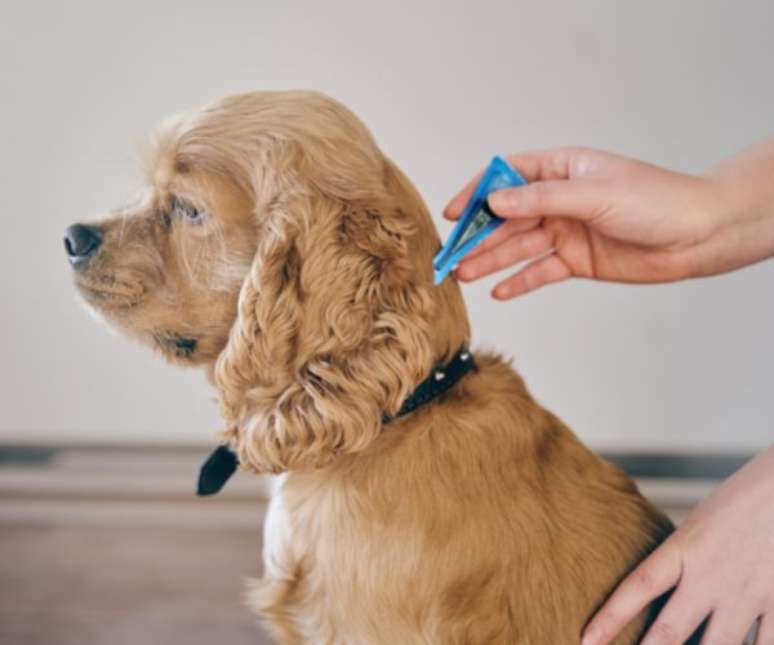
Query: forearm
[741, 192]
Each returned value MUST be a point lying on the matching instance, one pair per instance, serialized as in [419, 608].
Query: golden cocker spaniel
[280, 249]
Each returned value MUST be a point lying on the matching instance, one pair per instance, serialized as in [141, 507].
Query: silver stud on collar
[439, 375]
[464, 356]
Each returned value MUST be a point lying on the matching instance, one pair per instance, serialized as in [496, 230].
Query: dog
[277, 247]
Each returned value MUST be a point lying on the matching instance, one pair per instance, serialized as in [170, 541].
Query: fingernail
[496, 201]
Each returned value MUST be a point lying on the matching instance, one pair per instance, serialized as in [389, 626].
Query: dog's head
[276, 245]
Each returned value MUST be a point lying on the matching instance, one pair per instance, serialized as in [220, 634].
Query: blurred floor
[111, 547]
[100, 585]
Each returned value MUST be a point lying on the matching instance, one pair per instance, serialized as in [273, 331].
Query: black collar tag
[222, 463]
[216, 471]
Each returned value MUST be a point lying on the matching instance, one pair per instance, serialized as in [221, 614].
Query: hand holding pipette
[597, 215]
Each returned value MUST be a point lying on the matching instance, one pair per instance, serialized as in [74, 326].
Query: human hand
[593, 214]
[721, 560]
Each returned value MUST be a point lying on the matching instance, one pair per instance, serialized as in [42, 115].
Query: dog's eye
[189, 212]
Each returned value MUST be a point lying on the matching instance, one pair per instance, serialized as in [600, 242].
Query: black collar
[222, 463]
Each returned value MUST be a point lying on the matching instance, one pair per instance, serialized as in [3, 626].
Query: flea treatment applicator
[477, 220]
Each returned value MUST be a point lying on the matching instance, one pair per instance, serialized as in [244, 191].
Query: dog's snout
[80, 242]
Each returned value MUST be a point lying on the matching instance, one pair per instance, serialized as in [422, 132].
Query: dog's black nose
[80, 242]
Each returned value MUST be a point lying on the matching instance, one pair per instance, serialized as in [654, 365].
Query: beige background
[443, 85]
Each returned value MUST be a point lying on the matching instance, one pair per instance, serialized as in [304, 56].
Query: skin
[596, 215]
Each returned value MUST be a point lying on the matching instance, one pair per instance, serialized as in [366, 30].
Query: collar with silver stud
[222, 463]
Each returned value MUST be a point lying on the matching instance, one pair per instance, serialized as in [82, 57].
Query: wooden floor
[129, 585]
[113, 548]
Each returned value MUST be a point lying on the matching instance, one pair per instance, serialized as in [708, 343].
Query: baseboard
[153, 483]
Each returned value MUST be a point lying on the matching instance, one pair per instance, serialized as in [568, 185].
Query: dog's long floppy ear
[332, 329]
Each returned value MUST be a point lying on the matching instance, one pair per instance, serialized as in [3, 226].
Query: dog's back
[480, 519]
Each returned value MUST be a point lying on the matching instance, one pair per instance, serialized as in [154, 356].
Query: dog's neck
[222, 463]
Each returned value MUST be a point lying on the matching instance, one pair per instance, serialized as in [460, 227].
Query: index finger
[536, 165]
[454, 207]
[656, 574]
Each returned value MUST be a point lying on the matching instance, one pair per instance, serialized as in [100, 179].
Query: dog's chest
[277, 556]
[306, 524]
[308, 541]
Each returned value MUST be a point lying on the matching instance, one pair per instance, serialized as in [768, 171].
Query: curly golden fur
[279, 248]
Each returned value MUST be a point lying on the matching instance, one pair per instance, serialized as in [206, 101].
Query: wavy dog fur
[279, 248]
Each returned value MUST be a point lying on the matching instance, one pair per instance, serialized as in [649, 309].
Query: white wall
[443, 86]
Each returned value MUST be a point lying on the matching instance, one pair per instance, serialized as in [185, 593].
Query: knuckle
[543, 240]
[604, 626]
[717, 639]
[642, 579]
[663, 633]
[557, 166]
[573, 157]
[721, 637]
[529, 242]
[537, 197]
[526, 247]
[500, 257]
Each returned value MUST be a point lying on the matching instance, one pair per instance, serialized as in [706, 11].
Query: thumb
[581, 199]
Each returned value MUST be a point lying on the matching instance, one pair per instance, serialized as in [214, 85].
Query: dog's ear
[332, 330]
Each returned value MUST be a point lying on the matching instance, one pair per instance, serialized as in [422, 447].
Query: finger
[727, 626]
[457, 204]
[660, 571]
[678, 619]
[765, 635]
[541, 165]
[541, 272]
[583, 199]
[503, 232]
[536, 165]
[516, 248]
